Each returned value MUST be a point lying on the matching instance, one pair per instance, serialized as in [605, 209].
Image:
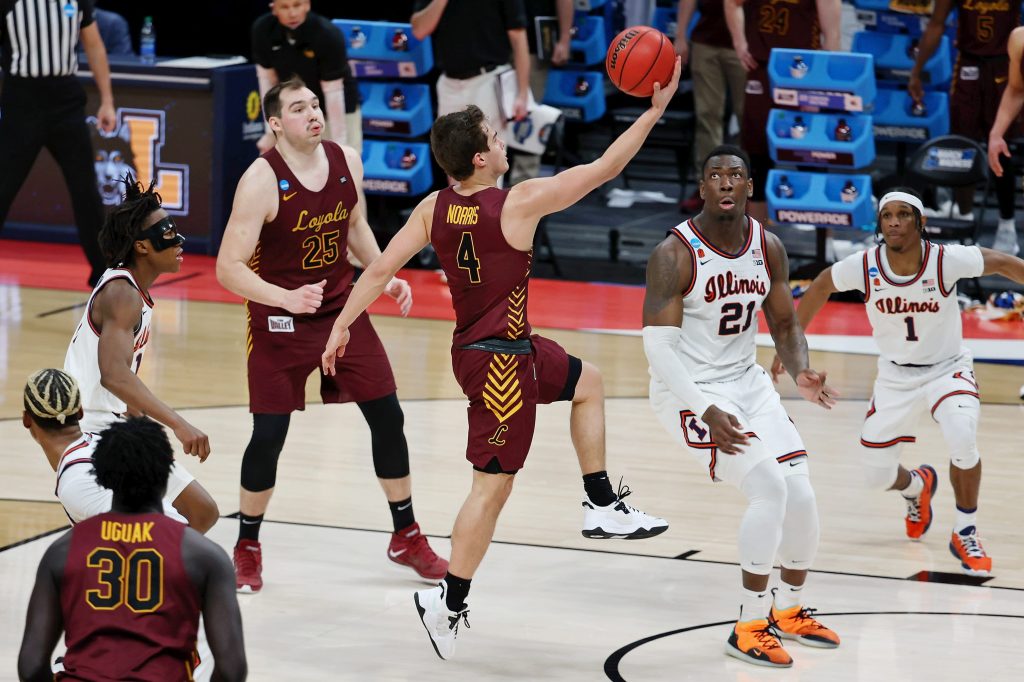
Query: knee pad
[259, 463]
[960, 430]
[881, 466]
[390, 451]
[800, 529]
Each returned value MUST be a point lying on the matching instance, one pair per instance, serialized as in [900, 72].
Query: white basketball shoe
[441, 624]
[619, 520]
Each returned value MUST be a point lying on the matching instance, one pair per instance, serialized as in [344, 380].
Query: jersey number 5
[466, 258]
[136, 581]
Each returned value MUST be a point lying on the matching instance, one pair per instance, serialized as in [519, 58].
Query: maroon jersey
[780, 23]
[984, 26]
[488, 278]
[711, 28]
[130, 609]
[308, 239]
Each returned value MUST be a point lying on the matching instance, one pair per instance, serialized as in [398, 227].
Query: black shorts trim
[494, 467]
[575, 370]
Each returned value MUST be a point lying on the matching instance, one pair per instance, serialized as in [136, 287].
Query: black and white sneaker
[620, 520]
[441, 624]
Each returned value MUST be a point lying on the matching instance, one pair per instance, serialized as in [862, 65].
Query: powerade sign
[386, 186]
[811, 217]
[901, 133]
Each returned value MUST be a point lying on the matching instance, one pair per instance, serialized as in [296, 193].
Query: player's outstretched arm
[786, 331]
[409, 241]
[533, 199]
[44, 621]
[1009, 105]
[361, 242]
[669, 274]
[221, 617]
[999, 263]
[255, 203]
[117, 308]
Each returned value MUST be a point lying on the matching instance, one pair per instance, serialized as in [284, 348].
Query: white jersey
[915, 320]
[82, 359]
[720, 305]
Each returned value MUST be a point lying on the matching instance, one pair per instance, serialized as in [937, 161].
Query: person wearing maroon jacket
[980, 77]
[483, 237]
[297, 211]
[756, 27]
[127, 586]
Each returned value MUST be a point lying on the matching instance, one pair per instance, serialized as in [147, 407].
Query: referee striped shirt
[38, 38]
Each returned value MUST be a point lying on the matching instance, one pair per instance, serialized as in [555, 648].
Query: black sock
[249, 526]
[599, 488]
[458, 590]
[401, 513]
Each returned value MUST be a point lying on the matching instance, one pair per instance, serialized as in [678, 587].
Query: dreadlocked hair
[124, 221]
[53, 399]
[133, 458]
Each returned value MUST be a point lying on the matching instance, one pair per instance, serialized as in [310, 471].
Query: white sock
[753, 605]
[965, 519]
[787, 596]
[1007, 225]
[914, 488]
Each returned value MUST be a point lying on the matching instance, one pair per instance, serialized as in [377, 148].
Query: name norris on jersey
[721, 286]
[463, 215]
[136, 531]
[316, 222]
[897, 306]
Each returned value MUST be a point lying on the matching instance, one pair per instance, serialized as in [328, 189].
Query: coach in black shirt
[43, 105]
[292, 41]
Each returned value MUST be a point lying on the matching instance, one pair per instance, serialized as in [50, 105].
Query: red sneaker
[966, 547]
[409, 548]
[919, 509]
[248, 566]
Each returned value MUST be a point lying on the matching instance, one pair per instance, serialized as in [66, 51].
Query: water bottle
[799, 68]
[358, 38]
[582, 86]
[147, 42]
[843, 132]
[408, 160]
[918, 109]
[798, 129]
[784, 189]
[397, 101]
[400, 41]
[849, 193]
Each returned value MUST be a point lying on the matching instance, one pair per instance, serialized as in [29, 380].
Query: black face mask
[162, 234]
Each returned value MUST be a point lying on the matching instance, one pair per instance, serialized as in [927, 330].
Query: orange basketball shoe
[919, 509]
[755, 641]
[966, 547]
[799, 623]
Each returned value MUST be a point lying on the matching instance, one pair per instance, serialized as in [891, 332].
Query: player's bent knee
[960, 430]
[590, 385]
[259, 462]
[196, 505]
[881, 467]
[390, 450]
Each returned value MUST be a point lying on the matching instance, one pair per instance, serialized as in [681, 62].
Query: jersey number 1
[466, 258]
[911, 334]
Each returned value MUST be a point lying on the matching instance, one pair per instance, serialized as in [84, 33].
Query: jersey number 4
[466, 258]
[137, 581]
[731, 314]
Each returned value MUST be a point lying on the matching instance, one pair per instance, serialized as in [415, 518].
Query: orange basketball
[638, 58]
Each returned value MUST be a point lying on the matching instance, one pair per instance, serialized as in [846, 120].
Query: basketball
[638, 58]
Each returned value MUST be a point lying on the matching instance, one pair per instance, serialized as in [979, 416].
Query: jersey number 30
[136, 581]
[466, 258]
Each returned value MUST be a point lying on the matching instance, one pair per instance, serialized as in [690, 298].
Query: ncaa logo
[135, 145]
[284, 185]
[522, 129]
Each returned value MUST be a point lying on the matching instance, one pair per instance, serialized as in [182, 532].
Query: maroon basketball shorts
[504, 390]
[978, 84]
[281, 361]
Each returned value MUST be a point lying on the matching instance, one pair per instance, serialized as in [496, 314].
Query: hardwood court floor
[547, 603]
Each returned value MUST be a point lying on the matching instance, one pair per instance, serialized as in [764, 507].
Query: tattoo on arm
[788, 335]
[664, 285]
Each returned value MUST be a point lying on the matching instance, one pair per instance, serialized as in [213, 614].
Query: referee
[42, 104]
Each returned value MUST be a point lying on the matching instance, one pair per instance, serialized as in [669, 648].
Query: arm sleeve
[960, 262]
[86, 7]
[658, 346]
[848, 274]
